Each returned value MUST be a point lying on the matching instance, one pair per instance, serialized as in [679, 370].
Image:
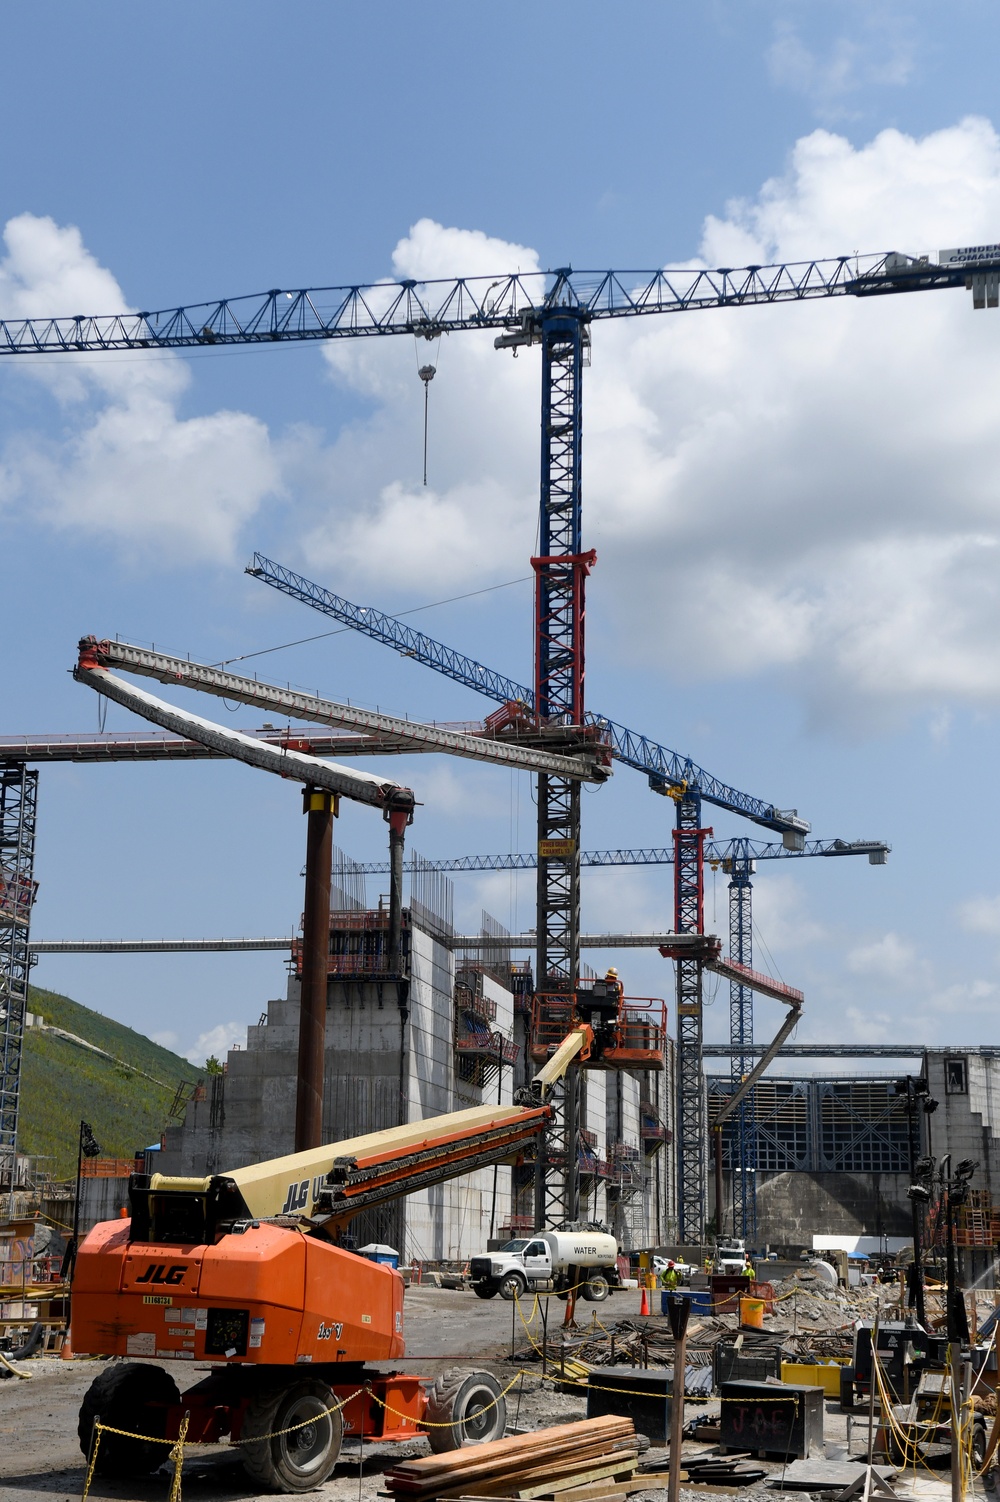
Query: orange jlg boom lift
[242, 1271]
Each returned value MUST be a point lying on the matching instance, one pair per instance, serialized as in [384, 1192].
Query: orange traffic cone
[644, 1305]
[66, 1350]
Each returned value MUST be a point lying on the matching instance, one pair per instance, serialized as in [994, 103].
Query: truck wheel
[485, 1290]
[512, 1286]
[596, 1288]
[302, 1459]
[470, 1407]
[131, 1396]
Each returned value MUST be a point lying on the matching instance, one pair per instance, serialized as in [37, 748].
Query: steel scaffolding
[689, 909]
[744, 1178]
[18, 804]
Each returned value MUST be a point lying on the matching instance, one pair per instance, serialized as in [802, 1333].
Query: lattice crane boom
[513, 304]
[664, 768]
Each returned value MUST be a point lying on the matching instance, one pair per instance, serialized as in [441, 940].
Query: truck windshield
[517, 1245]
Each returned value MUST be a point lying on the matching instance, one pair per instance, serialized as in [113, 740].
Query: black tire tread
[261, 1419]
[117, 1396]
[440, 1408]
[511, 1278]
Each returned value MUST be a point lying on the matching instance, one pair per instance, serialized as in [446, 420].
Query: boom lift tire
[485, 1290]
[596, 1288]
[130, 1396]
[298, 1461]
[512, 1286]
[979, 1438]
[469, 1405]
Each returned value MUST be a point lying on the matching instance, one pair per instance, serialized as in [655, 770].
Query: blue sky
[796, 510]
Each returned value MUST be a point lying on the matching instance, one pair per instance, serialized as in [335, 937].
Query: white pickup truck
[731, 1255]
[560, 1259]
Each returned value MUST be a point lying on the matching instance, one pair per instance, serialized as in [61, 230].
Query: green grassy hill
[62, 1083]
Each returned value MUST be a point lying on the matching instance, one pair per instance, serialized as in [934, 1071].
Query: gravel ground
[40, 1458]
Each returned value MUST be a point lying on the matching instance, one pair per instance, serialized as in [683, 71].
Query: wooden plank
[607, 1428]
[599, 1473]
[596, 1493]
[642, 1481]
[417, 1478]
[554, 1478]
[528, 1467]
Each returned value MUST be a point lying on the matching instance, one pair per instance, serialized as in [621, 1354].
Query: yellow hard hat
[612, 970]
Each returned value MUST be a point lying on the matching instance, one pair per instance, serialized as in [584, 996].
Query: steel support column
[743, 1155]
[560, 571]
[689, 914]
[320, 808]
[18, 805]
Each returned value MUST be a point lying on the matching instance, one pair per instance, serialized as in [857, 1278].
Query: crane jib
[665, 769]
[512, 303]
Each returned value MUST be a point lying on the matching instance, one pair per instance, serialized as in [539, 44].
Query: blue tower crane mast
[554, 310]
[737, 858]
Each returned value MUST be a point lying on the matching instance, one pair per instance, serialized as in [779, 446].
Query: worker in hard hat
[611, 980]
[670, 1277]
[749, 1270]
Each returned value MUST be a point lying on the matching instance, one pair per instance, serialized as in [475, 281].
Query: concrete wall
[966, 1124]
[376, 1077]
[450, 1220]
[792, 1207]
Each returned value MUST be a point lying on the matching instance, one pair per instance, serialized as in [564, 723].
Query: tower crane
[556, 311]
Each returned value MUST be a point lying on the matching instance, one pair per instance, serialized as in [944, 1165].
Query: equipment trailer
[242, 1271]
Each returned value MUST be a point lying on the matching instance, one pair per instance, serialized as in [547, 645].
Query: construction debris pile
[809, 1320]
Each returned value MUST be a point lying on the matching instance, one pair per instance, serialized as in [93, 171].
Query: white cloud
[218, 1041]
[890, 959]
[781, 918]
[805, 494]
[802, 492]
[127, 467]
[876, 50]
[980, 915]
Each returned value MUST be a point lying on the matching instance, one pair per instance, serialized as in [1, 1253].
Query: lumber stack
[545, 1463]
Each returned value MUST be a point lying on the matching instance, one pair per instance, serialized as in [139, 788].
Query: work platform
[629, 1032]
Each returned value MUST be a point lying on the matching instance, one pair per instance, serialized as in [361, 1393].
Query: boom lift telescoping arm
[362, 787]
[409, 734]
[337, 1181]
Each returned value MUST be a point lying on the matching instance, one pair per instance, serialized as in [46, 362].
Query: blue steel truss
[512, 303]
[715, 854]
[665, 769]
